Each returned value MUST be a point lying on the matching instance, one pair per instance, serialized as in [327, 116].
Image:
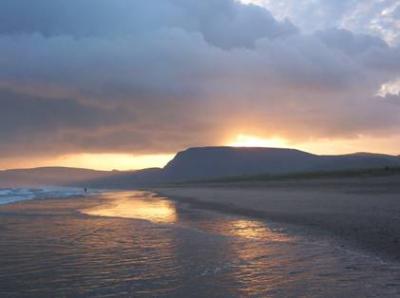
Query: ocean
[13, 195]
[137, 244]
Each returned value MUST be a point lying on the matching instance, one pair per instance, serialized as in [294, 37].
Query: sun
[242, 140]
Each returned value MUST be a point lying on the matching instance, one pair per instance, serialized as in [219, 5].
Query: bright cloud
[390, 88]
[377, 17]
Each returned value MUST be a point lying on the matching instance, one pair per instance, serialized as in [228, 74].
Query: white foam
[12, 195]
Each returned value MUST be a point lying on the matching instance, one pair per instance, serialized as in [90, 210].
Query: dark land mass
[208, 163]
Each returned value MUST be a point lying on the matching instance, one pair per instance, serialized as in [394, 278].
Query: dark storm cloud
[24, 118]
[33, 114]
[223, 22]
[156, 76]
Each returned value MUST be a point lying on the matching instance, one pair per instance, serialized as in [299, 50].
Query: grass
[354, 173]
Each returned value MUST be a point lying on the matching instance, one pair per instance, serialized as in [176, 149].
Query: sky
[124, 84]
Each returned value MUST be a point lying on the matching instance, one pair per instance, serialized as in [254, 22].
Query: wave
[12, 195]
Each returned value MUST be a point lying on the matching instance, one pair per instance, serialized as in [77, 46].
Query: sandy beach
[363, 211]
[138, 244]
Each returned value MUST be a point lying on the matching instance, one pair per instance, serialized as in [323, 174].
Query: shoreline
[365, 213]
[50, 248]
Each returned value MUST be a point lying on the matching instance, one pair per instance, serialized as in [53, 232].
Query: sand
[362, 211]
[149, 247]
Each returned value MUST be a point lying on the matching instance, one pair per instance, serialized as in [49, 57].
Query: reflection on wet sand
[47, 249]
[135, 205]
[254, 230]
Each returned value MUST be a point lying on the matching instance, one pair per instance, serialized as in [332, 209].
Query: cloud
[379, 18]
[157, 76]
[390, 88]
[223, 23]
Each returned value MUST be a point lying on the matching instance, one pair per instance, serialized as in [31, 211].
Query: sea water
[136, 244]
[12, 195]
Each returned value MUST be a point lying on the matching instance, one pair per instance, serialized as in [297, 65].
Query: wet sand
[364, 212]
[135, 244]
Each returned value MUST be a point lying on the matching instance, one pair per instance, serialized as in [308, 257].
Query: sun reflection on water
[251, 229]
[130, 205]
[69, 255]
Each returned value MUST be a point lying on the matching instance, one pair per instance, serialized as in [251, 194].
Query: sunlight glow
[109, 161]
[243, 140]
[137, 205]
[253, 229]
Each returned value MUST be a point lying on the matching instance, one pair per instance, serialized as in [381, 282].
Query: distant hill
[207, 163]
[217, 162]
[202, 163]
[126, 180]
[213, 162]
[49, 176]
